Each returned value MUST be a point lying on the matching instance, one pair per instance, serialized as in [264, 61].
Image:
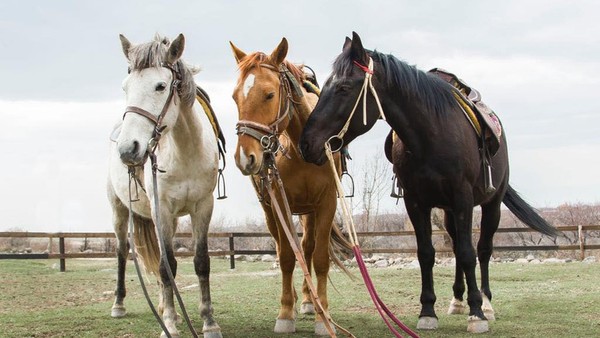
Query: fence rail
[62, 255]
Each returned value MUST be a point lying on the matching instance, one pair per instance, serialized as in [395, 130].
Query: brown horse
[273, 107]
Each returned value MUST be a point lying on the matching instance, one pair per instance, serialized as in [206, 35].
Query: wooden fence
[62, 254]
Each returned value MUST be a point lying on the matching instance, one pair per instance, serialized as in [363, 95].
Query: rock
[522, 260]
[535, 261]
[183, 249]
[267, 258]
[413, 265]
[553, 260]
[530, 257]
[590, 259]
[239, 257]
[382, 263]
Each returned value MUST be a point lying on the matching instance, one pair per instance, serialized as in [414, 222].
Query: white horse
[161, 105]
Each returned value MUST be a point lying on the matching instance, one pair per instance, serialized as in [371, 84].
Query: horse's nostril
[251, 160]
[136, 147]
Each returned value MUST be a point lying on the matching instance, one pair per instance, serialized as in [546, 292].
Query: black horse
[440, 165]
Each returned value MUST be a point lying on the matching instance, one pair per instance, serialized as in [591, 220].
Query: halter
[268, 135]
[367, 86]
[157, 120]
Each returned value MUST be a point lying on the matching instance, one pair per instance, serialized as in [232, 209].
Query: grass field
[543, 300]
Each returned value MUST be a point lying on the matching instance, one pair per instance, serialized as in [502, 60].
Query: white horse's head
[153, 88]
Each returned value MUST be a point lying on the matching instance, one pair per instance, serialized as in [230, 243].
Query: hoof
[285, 326]
[488, 311]
[173, 334]
[118, 312]
[213, 331]
[321, 330]
[456, 307]
[427, 323]
[477, 325]
[307, 308]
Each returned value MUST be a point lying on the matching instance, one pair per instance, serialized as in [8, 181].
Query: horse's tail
[339, 246]
[526, 214]
[146, 244]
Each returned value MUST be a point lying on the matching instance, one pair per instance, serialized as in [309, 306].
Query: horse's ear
[357, 51]
[347, 44]
[176, 49]
[238, 54]
[125, 44]
[280, 52]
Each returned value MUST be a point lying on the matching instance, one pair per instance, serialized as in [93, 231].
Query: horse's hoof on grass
[118, 312]
[427, 323]
[285, 326]
[477, 325]
[213, 331]
[488, 311]
[456, 307]
[321, 329]
[307, 308]
[173, 334]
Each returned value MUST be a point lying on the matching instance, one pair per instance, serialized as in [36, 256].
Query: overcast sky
[536, 64]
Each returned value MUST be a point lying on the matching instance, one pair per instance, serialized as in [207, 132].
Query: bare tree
[375, 183]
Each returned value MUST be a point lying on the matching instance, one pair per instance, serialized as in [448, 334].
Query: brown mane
[253, 60]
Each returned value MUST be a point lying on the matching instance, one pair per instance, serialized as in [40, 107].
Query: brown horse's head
[262, 102]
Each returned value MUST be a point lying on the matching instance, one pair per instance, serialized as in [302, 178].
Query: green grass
[546, 300]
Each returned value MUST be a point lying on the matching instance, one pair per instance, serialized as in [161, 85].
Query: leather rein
[174, 87]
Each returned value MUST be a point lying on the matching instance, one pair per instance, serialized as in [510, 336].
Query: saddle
[482, 117]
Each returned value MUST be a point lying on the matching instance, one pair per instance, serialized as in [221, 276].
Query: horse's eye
[343, 88]
[270, 95]
[161, 86]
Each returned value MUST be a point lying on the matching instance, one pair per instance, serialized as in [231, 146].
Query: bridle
[268, 135]
[367, 86]
[174, 87]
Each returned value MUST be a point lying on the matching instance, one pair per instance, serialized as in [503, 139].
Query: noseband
[157, 120]
[268, 135]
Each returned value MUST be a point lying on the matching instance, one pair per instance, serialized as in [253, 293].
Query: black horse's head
[341, 95]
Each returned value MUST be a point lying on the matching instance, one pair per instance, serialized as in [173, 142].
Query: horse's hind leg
[200, 224]
[456, 305]
[119, 218]
[308, 246]
[490, 218]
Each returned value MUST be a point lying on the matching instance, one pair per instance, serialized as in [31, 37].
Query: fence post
[232, 249]
[61, 248]
[581, 242]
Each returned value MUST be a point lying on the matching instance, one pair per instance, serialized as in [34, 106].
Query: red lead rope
[379, 304]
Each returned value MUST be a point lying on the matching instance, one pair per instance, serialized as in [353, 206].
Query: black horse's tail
[526, 214]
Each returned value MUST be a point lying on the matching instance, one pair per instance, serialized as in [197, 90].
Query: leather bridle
[158, 120]
[268, 135]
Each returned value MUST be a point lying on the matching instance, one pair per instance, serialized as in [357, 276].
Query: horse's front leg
[120, 214]
[167, 304]
[308, 246]
[200, 224]
[321, 259]
[421, 220]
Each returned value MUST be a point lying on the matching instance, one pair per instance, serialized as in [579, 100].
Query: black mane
[413, 84]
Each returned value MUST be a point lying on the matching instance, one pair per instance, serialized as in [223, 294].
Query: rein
[152, 145]
[347, 215]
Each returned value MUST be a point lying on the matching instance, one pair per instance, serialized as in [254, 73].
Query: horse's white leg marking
[248, 84]
[457, 307]
[285, 326]
[488, 311]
